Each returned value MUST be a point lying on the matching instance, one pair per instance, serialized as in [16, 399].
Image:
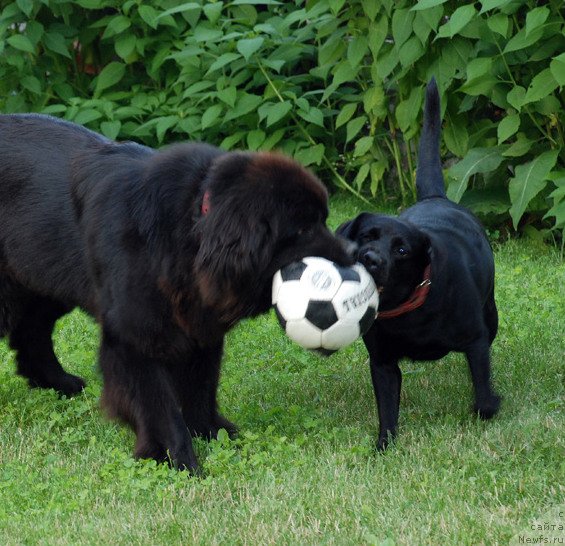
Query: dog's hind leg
[30, 337]
[487, 402]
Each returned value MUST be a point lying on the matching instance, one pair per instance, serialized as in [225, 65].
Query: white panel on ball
[340, 334]
[277, 282]
[304, 333]
[320, 278]
[292, 300]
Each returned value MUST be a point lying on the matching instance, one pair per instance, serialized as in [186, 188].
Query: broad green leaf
[427, 4]
[211, 114]
[407, 110]
[336, 5]
[477, 160]
[90, 4]
[499, 23]
[248, 47]
[86, 116]
[255, 138]
[491, 4]
[163, 125]
[255, 2]
[310, 156]
[179, 9]
[346, 114]
[528, 181]
[520, 147]
[479, 67]
[56, 43]
[312, 115]
[457, 22]
[111, 129]
[149, 14]
[125, 44]
[362, 175]
[377, 35]
[410, 51]
[557, 67]
[110, 75]
[362, 146]
[401, 26]
[357, 49]
[482, 85]
[247, 102]
[344, 73]
[516, 97]
[277, 112]
[433, 16]
[387, 63]
[21, 42]
[26, 6]
[205, 33]
[374, 100]
[535, 18]
[521, 40]
[377, 172]
[228, 95]
[117, 25]
[273, 139]
[32, 84]
[558, 211]
[223, 60]
[371, 8]
[508, 127]
[229, 142]
[354, 126]
[542, 85]
[456, 136]
[212, 10]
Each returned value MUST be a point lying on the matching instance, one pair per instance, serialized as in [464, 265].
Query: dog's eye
[401, 251]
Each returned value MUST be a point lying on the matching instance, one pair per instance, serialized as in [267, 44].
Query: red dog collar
[417, 299]
[205, 209]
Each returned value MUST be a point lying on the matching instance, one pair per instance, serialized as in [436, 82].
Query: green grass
[303, 470]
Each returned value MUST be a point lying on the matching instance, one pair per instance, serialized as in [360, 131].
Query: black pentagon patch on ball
[282, 321]
[348, 273]
[367, 320]
[321, 314]
[293, 271]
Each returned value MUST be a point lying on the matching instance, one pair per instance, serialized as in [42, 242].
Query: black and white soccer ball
[324, 306]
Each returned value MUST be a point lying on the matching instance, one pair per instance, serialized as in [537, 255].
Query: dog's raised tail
[429, 178]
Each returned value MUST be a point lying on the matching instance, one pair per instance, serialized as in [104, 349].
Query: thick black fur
[459, 313]
[118, 230]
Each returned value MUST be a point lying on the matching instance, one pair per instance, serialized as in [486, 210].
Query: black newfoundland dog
[166, 249]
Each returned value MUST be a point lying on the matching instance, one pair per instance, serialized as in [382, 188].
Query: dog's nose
[371, 260]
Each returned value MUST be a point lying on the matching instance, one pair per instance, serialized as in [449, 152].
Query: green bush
[338, 84]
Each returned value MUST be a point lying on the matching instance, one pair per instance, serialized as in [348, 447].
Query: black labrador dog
[166, 249]
[434, 269]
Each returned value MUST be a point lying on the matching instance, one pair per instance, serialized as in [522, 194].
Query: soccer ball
[324, 306]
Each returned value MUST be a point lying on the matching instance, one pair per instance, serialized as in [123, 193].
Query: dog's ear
[350, 228]
[236, 245]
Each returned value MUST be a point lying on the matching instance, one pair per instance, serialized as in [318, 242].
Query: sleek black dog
[434, 269]
[167, 250]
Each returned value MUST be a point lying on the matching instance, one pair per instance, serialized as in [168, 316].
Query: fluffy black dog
[434, 269]
[166, 249]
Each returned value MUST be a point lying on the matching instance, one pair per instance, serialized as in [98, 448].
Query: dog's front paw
[487, 409]
[385, 440]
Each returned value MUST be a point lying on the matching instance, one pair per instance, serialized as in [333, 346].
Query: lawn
[303, 470]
